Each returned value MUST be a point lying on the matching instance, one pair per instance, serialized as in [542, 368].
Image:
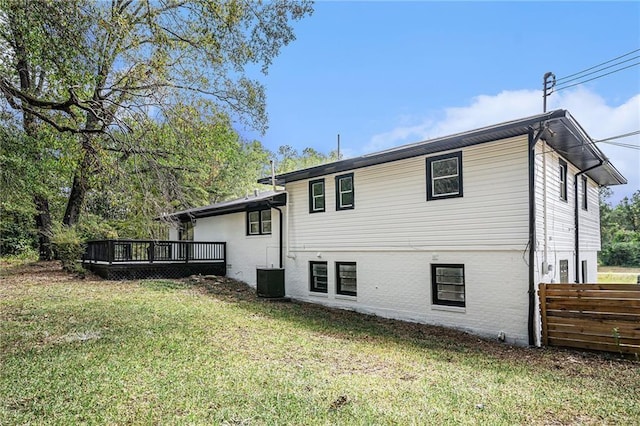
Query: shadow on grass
[438, 342]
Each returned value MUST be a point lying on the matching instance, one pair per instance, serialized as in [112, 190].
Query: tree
[288, 159]
[94, 69]
[620, 230]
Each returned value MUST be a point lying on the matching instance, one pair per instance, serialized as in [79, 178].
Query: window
[444, 176]
[265, 220]
[584, 272]
[344, 192]
[318, 277]
[563, 180]
[259, 222]
[584, 193]
[564, 271]
[316, 196]
[346, 282]
[447, 285]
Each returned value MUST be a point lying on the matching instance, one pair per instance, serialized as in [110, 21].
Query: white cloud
[589, 109]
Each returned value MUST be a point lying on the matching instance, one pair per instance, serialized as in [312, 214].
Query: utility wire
[596, 66]
[618, 137]
[597, 77]
[624, 145]
[594, 142]
[598, 70]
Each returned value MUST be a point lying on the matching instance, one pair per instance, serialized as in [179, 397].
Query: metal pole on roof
[273, 175]
[548, 83]
[339, 146]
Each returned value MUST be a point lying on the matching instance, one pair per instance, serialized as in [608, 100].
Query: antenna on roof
[547, 88]
[338, 146]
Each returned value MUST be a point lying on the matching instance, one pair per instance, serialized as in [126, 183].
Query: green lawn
[618, 274]
[170, 352]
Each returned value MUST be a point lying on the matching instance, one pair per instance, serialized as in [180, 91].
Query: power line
[618, 136]
[594, 142]
[599, 70]
[624, 145]
[596, 66]
[636, 148]
[597, 77]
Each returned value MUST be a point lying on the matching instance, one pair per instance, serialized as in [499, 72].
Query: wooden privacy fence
[603, 317]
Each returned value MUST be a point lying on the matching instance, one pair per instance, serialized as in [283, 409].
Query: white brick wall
[398, 285]
[245, 253]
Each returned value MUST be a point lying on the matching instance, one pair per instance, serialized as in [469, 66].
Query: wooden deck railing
[150, 251]
[604, 317]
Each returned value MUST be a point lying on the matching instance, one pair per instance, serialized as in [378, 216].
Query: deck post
[110, 251]
[152, 251]
[187, 250]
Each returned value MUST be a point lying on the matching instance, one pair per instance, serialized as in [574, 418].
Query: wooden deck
[138, 259]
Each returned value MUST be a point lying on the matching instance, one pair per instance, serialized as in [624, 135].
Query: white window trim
[262, 222]
[257, 222]
[314, 197]
[341, 192]
[458, 309]
[434, 179]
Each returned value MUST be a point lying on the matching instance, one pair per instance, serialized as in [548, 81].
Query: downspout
[577, 218]
[288, 226]
[532, 232]
[545, 227]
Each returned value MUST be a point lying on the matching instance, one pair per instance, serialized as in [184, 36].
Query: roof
[263, 199]
[564, 134]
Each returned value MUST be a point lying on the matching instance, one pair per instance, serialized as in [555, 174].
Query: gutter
[577, 218]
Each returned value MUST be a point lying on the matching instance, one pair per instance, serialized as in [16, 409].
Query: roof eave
[235, 206]
[573, 143]
[455, 141]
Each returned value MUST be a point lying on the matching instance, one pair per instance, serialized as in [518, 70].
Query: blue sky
[383, 74]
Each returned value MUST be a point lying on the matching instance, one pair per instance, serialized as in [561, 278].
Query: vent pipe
[273, 175]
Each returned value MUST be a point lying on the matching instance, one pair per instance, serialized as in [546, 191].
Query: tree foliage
[104, 97]
[620, 230]
[288, 159]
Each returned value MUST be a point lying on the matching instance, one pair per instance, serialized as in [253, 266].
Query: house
[455, 231]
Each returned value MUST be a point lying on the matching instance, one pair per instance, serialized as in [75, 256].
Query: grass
[177, 352]
[618, 274]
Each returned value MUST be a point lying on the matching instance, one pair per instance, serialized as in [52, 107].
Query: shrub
[68, 247]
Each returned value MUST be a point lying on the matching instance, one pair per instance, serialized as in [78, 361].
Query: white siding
[391, 211]
[558, 242]
[590, 219]
[245, 253]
